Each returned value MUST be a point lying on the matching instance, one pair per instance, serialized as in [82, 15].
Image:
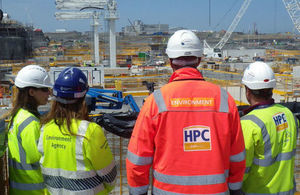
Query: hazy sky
[269, 16]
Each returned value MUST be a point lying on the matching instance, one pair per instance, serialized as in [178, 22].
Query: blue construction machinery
[109, 99]
[120, 123]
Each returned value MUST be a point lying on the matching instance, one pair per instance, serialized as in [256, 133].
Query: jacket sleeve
[248, 131]
[100, 156]
[141, 150]
[237, 151]
[30, 136]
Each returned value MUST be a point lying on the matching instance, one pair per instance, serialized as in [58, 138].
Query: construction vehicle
[109, 99]
[118, 123]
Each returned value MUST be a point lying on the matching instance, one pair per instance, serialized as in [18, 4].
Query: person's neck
[33, 109]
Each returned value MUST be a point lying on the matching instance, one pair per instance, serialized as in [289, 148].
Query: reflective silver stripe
[238, 157]
[158, 191]
[72, 184]
[247, 170]
[70, 192]
[159, 99]
[223, 101]
[80, 174]
[21, 127]
[107, 169]
[190, 180]
[138, 160]
[279, 157]
[26, 186]
[138, 190]
[235, 186]
[290, 192]
[297, 125]
[268, 159]
[108, 173]
[23, 165]
[226, 173]
[40, 145]
[80, 165]
[265, 135]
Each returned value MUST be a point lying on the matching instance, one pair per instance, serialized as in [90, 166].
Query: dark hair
[262, 93]
[61, 113]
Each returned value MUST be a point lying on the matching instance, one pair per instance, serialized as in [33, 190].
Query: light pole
[112, 16]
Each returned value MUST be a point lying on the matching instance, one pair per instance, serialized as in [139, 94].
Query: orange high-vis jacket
[189, 132]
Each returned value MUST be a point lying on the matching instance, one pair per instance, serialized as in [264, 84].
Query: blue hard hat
[71, 84]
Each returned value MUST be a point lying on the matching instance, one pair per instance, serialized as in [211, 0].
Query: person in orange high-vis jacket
[189, 132]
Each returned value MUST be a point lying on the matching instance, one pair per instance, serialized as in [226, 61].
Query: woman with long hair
[25, 175]
[76, 158]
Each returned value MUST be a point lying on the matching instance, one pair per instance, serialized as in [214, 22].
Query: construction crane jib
[233, 25]
[216, 50]
[293, 8]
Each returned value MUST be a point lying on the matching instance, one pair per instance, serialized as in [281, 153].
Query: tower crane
[216, 50]
[293, 8]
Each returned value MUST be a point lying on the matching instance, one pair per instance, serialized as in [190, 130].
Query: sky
[267, 16]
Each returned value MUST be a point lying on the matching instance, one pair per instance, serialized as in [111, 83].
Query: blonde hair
[62, 113]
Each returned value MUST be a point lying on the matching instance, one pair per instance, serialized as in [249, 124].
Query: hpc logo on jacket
[196, 138]
[280, 121]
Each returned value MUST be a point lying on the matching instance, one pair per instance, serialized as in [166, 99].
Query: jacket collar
[187, 73]
[258, 106]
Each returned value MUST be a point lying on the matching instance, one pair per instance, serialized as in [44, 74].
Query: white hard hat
[184, 43]
[259, 75]
[33, 76]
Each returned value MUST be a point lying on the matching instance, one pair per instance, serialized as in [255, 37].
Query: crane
[216, 50]
[133, 27]
[293, 8]
[233, 25]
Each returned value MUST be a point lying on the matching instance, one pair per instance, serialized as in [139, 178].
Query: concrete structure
[138, 27]
[244, 52]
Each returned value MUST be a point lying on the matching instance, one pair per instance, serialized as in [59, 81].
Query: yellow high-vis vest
[25, 175]
[76, 164]
[270, 136]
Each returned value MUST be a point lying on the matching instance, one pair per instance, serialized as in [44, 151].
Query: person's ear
[31, 91]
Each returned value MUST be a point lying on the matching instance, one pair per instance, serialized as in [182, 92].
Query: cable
[222, 18]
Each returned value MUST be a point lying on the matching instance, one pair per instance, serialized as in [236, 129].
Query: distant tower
[112, 16]
[255, 32]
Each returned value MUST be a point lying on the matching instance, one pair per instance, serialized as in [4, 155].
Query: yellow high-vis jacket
[270, 135]
[25, 175]
[76, 164]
